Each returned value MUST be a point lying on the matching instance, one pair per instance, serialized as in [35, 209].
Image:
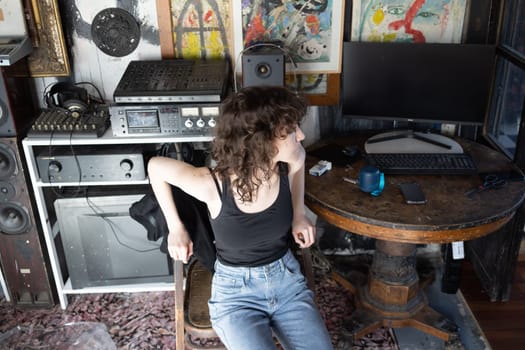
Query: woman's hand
[303, 231]
[180, 245]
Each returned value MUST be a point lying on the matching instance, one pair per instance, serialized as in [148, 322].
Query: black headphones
[68, 96]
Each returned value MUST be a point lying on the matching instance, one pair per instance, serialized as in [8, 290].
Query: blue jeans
[250, 304]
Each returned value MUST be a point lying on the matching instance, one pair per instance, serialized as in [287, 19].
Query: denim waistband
[262, 271]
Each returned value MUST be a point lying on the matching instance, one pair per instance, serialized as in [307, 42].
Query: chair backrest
[178, 275]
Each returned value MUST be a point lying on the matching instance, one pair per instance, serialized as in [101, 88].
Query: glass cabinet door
[507, 105]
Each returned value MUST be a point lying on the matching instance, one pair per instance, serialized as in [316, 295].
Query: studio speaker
[17, 109]
[263, 67]
[22, 252]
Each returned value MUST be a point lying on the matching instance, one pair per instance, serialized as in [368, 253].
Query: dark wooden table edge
[410, 234]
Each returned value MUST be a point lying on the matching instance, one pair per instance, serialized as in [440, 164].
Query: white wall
[310, 126]
[91, 64]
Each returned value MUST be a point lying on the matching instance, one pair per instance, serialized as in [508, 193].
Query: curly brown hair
[249, 122]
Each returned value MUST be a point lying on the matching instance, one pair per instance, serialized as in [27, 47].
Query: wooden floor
[502, 322]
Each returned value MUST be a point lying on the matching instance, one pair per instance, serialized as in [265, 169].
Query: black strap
[283, 168]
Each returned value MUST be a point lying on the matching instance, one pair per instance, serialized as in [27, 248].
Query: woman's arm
[165, 172]
[302, 228]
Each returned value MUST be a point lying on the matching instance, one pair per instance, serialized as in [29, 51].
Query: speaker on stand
[263, 66]
[22, 252]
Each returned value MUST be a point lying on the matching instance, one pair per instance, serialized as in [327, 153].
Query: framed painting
[418, 21]
[309, 32]
[319, 89]
[194, 29]
[49, 57]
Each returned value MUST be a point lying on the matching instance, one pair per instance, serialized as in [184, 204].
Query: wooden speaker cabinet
[22, 252]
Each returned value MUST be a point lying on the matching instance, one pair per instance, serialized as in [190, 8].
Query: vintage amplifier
[97, 164]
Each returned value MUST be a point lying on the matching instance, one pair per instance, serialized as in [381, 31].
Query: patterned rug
[146, 321]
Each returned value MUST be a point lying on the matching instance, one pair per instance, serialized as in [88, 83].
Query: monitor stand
[409, 141]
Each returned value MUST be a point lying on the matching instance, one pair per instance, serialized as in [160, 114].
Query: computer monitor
[443, 83]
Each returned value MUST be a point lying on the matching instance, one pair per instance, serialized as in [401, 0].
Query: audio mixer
[174, 80]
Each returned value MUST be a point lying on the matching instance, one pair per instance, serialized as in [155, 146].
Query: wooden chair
[192, 318]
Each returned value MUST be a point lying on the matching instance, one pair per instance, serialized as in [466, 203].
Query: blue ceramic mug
[371, 180]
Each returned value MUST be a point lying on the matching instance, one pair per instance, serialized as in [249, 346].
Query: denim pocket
[293, 277]
[225, 285]
[292, 266]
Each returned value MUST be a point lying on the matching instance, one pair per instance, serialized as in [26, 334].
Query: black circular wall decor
[115, 31]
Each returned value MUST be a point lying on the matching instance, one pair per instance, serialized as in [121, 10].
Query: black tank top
[253, 239]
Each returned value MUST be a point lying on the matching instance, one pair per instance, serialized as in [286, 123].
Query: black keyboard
[423, 163]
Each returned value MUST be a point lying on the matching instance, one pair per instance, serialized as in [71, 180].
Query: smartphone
[412, 193]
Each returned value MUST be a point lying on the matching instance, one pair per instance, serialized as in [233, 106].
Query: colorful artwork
[418, 21]
[309, 31]
[201, 29]
[308, 83]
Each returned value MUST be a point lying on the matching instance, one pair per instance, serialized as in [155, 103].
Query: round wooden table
[393, 295]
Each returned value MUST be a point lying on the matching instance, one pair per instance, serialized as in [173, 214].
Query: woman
[255, 198]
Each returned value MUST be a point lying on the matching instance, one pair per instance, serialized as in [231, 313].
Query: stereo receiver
[164, 119]
[92, 165]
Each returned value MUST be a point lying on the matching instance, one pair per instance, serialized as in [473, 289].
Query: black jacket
[194, 215]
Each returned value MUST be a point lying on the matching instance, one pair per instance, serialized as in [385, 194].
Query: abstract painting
[308, 31]
[201, 29]
[417, 21]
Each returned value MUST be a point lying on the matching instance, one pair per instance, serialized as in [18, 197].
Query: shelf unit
[49, 224]
[3, 284]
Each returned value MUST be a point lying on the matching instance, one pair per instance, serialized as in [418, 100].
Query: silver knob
[126, 164]
[54, 167]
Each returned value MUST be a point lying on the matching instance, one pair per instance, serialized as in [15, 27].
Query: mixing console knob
[201, 123]
[212, 123]
[54, 167]
[188, 123]
[126, 164]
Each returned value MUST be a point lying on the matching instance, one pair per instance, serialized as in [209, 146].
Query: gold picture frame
[331, 96]
[49, 56]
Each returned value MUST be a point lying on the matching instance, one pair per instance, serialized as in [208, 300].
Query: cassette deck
[164, 119]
